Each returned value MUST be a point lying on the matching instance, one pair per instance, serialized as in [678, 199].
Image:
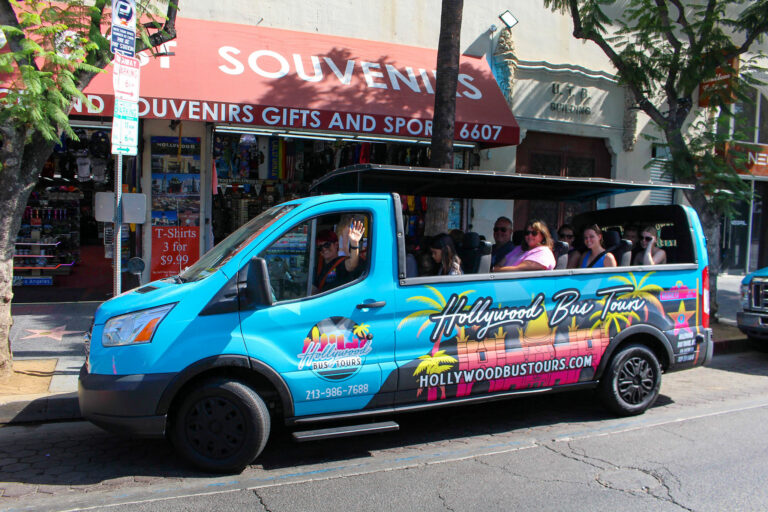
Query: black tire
[221, 426]
[631, 381]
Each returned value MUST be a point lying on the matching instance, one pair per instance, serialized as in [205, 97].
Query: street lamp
[508, 19]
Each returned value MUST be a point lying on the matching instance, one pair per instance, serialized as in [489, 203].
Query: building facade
[253, 100]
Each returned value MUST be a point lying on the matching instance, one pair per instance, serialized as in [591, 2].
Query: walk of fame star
[56, 333]
[681, 317]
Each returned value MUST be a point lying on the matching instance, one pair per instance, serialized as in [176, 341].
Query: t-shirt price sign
[173, 250]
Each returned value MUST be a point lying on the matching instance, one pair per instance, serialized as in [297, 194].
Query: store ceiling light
[508, 19]
[248, 129]
[310, 136]
[319, 134]
[390, 139]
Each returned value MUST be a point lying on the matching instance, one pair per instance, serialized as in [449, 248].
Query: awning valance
[249, 75]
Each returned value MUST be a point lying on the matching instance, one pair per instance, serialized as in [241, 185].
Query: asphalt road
[701, 447]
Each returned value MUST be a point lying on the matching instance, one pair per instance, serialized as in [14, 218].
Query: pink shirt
[541, 255]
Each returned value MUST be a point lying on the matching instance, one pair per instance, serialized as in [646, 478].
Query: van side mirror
[258, 291]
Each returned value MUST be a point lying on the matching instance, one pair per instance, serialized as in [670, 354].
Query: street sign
[123, 38]
[125, 127]
[125, 78]
[125, 150]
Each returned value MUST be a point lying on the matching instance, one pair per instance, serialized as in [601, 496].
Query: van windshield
[234, 243]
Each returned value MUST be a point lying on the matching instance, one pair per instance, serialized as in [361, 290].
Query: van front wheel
[221, 426]
[631, 382]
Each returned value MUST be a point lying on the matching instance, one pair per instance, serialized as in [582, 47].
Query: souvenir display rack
[48, 242]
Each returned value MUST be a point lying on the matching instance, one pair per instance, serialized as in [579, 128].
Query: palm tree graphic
[361, 330]
[436, 305]
[434, 364]
[648, 292]
[612, 319]
[438, 363]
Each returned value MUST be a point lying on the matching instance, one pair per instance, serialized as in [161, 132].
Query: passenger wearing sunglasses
[566, 234]
[502, 237]
[336, 270]
[649, 253]
[534, 254]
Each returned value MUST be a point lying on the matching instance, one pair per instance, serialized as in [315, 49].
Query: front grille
[759, 295]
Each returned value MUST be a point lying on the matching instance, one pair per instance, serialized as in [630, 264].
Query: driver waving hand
[335, 270]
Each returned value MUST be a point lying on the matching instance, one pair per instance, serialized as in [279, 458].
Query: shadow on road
[747, 362]
[84, 457]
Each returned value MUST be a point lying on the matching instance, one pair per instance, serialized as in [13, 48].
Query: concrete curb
[40, 408]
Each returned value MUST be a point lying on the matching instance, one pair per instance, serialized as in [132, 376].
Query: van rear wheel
[221, 426]
[631, 382]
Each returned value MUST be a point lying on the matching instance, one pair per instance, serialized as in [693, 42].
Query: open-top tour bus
[250, 333]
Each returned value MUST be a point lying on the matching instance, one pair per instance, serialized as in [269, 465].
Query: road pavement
[700, 447]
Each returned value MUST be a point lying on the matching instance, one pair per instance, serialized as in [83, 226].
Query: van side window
[288, 263]
[318, 255]
[342, 250]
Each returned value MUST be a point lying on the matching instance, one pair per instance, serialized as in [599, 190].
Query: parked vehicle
[753, 319]
[250, 334]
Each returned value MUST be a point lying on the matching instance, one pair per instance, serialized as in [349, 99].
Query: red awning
[239, 74]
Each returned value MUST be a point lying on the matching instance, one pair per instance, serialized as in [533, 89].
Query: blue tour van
[250, 334]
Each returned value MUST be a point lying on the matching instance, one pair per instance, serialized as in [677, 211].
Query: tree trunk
[710, 219]
[711, 225]
[448, 52]
[22, 160]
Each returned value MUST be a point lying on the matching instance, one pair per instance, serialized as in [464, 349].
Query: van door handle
[377, 304]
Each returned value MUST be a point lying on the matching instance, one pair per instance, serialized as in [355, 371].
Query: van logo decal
[335, 348]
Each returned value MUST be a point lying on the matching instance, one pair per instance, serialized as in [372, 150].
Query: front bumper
[124, 403]
[754, 325]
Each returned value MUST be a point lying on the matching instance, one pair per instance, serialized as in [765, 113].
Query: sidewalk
[48, 351]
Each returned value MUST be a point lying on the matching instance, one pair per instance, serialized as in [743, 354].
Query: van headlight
[133, 328]
[745, 296]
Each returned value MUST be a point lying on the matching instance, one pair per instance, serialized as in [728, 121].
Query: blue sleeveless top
[599, 263]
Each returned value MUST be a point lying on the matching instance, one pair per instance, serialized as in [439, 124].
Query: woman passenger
[595, 256]
[649, 254]
[534, 254]
[444, 254]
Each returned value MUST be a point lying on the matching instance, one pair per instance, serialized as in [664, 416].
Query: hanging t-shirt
[83, 168]
[99, 168]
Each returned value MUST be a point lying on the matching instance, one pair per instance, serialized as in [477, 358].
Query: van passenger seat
[469, 252]
[560, 251]
[484, 265]
[667, 233]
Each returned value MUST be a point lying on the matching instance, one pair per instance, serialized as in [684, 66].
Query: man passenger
[502, 234]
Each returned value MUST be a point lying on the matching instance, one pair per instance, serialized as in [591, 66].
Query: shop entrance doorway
[60, 251]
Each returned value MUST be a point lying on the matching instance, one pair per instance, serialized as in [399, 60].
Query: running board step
[348, 430]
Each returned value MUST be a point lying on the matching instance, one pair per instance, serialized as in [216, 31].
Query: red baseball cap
[327, 236]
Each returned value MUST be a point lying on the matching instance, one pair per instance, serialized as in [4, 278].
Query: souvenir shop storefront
[240, 118]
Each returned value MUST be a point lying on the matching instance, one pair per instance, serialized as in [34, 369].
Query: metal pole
[117, 230]
[749, 228]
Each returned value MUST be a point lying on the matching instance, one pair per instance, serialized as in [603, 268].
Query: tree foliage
[662, 50]
[55, 49]
[49, 52]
